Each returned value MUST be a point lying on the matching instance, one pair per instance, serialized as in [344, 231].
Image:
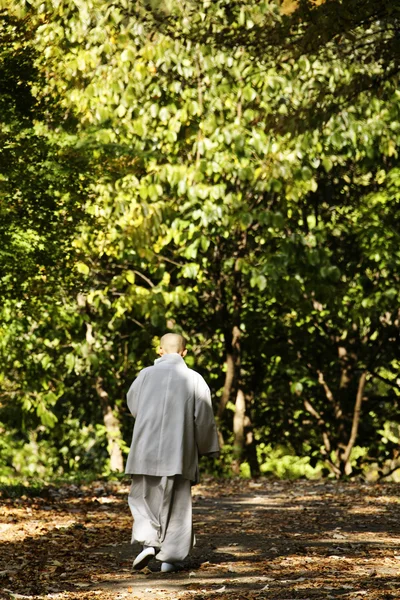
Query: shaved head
[172, 342]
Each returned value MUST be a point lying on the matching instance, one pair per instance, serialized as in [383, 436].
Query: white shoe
[143, 559]
[168, 567]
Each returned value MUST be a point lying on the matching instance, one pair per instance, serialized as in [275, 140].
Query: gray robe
[162, 515]
[174, 421]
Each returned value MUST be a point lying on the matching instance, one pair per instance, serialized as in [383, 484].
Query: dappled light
[225, 171]
[341, 539]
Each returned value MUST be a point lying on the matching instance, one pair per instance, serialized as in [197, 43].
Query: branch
[308, 406]
[138, 323]
[393, 470]
[151, 284]
[322, 424]
[329, 395]
[387, 381]
[356, 417]
[173, 262]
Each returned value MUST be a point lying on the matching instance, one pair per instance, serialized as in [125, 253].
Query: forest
[223, 169]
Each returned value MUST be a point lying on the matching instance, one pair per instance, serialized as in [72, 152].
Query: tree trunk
[326, 450]
[113, 430]
[251, 449]
[232, 335]
[238, 431]
[345, 464]
[232, 344]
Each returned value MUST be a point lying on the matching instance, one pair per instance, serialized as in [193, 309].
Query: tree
[42, 177]
[239, 196]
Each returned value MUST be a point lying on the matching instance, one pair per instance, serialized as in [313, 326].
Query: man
[174, 424]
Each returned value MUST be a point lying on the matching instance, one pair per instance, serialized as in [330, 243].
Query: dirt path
[261, 540]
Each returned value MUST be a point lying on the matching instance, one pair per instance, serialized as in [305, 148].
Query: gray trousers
[162, 515]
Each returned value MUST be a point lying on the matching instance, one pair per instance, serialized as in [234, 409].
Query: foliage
[42, 178]
[203, 184]
[280, 462]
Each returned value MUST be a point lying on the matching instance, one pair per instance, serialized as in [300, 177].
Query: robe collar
[170, 358]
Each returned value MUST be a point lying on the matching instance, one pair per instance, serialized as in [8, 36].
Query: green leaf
[246, 220]
[164, 114]
[205, 243]
[296, 388]
[258, 281]
[70, 362]
[130, 277]
[82, 268]
[121, 111]
[249, 94]
[391, 293]
[327, 164]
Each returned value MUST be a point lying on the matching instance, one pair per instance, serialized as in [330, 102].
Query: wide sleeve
[205, 427]
[133, 394]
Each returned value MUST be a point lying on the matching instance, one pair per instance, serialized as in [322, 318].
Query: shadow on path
[257, 539]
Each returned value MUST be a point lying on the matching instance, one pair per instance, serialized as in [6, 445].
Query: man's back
[173, 420]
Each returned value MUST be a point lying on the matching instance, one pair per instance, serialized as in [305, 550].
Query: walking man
[174, 425]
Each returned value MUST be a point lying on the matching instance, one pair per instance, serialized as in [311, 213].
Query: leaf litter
[256, 540]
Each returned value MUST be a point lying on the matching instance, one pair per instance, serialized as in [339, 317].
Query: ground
[255, 540]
